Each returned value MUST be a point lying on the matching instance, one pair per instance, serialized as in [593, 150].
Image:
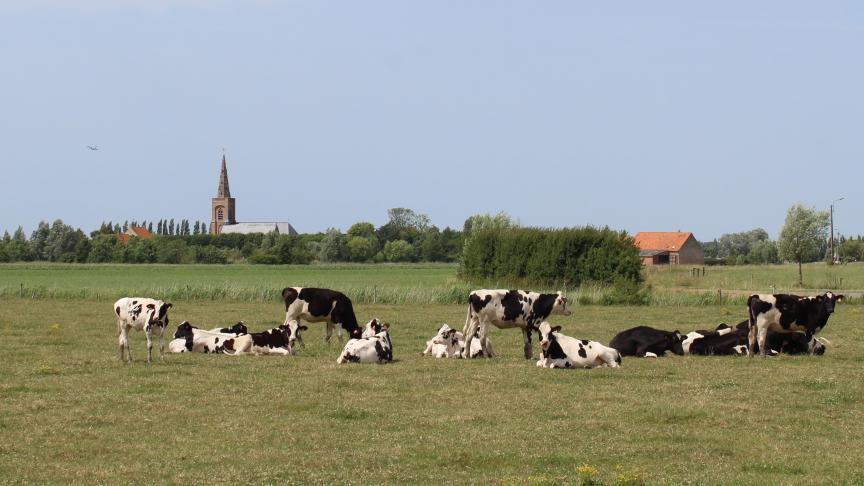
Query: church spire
[223, 191]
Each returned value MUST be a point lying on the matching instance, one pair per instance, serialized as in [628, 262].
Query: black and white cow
[787, 313]
[141, 313]
[784, 342]
[724, 341]
[190, 339]
[560, 351]
[647, 342]
[374, 348]
[450, 343]
[507, 309]
[319, 305]
[694, 336]
[273, 341]
[236, 329]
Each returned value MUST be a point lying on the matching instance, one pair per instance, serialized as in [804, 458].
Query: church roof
[284, 228]
[224, 190]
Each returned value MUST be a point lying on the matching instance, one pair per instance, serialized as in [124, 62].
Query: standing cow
[143, 314]
[787, 313]
[319, 305]
[507, 309]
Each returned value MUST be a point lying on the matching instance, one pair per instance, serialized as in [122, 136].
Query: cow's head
[816, 346]
[675, 340]
[293, 329]
[546, 336]
[445, 335]
[239, 328]
[184, 330]
[372, 328]
[159, 314]
[560, 306]
[828, 300]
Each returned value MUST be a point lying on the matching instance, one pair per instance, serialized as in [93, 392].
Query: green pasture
[72, 413]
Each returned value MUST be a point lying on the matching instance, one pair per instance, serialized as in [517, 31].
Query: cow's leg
[529, 352]
[428, 349]
[149, 334]
[487, 345]
[484, 341]
[470, 329]
[124, 343]
[339, 333]
[762, 337]
[329, 332]
[162, 345]
[120, 338]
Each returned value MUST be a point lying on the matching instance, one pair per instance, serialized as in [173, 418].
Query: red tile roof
[658, 240]
[141, 232]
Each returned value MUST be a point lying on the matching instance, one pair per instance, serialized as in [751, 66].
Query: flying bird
[93, 147]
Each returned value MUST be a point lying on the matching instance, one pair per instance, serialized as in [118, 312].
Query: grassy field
[72, 413]
[392, 284]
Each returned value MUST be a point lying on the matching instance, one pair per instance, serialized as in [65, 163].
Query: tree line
[406, 237]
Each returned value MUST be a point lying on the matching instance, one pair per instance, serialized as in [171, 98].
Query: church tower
[222, 207]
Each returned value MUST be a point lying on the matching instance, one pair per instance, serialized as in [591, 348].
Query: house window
[219, 214]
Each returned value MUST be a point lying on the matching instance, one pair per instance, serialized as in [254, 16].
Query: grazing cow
[372, 349]
[507, 309]
[647, 342]
[274, 341]
[560, 351]
[319, 305]
[149, 315]
[450, 343]
[190, 339]
[787, 313]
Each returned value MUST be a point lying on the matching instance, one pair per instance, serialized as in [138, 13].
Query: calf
[149, 315]
[274, 341]
[560, 351]
[450, 343]
[373, 349]
[190, 339]
[647, 342]
[787, 313]
[319, 305]
[507, 309]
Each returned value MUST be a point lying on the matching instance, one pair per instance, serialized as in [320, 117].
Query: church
[223, 216]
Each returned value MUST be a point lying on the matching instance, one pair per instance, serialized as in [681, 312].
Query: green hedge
[552, 256]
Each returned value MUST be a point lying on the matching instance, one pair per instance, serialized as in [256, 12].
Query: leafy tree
[361, 249]
[333, 248]
[102, 249]
[171, 227]
[398, 251]
[38, 240]
[431, 246]
[802, 236]
[764, 252]
[404, 224]
[363, 230]
[197, 229]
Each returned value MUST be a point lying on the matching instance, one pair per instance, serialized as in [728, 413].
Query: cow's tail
[467, 319]
[751, 316]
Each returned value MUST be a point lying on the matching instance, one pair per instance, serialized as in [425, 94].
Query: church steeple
[223, 190]
[222, 207]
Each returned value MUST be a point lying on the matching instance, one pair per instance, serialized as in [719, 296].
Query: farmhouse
[135, 232]
[669, 248]
[224, 218]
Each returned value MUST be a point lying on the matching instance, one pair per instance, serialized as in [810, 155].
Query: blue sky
[660, 116]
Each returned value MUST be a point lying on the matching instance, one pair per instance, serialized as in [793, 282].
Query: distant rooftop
[259, 227]
[660, 240]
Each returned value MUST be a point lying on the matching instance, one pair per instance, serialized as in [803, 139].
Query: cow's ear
[839, 297]
[556, 329]
[303, 328]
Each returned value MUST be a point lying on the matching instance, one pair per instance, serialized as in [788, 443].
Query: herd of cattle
[777, 323]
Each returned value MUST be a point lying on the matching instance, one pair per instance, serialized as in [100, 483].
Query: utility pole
[833, 253]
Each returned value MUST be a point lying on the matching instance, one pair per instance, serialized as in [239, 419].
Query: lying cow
[374, 348]
[450, 343]
[141, 313]
[274, 341]
[319, 305]
[787, 313]
[506, 309]
[784, 342]
[236, 329]
[647, 342]
[692, 337]
[560, 351]
[190, 339]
